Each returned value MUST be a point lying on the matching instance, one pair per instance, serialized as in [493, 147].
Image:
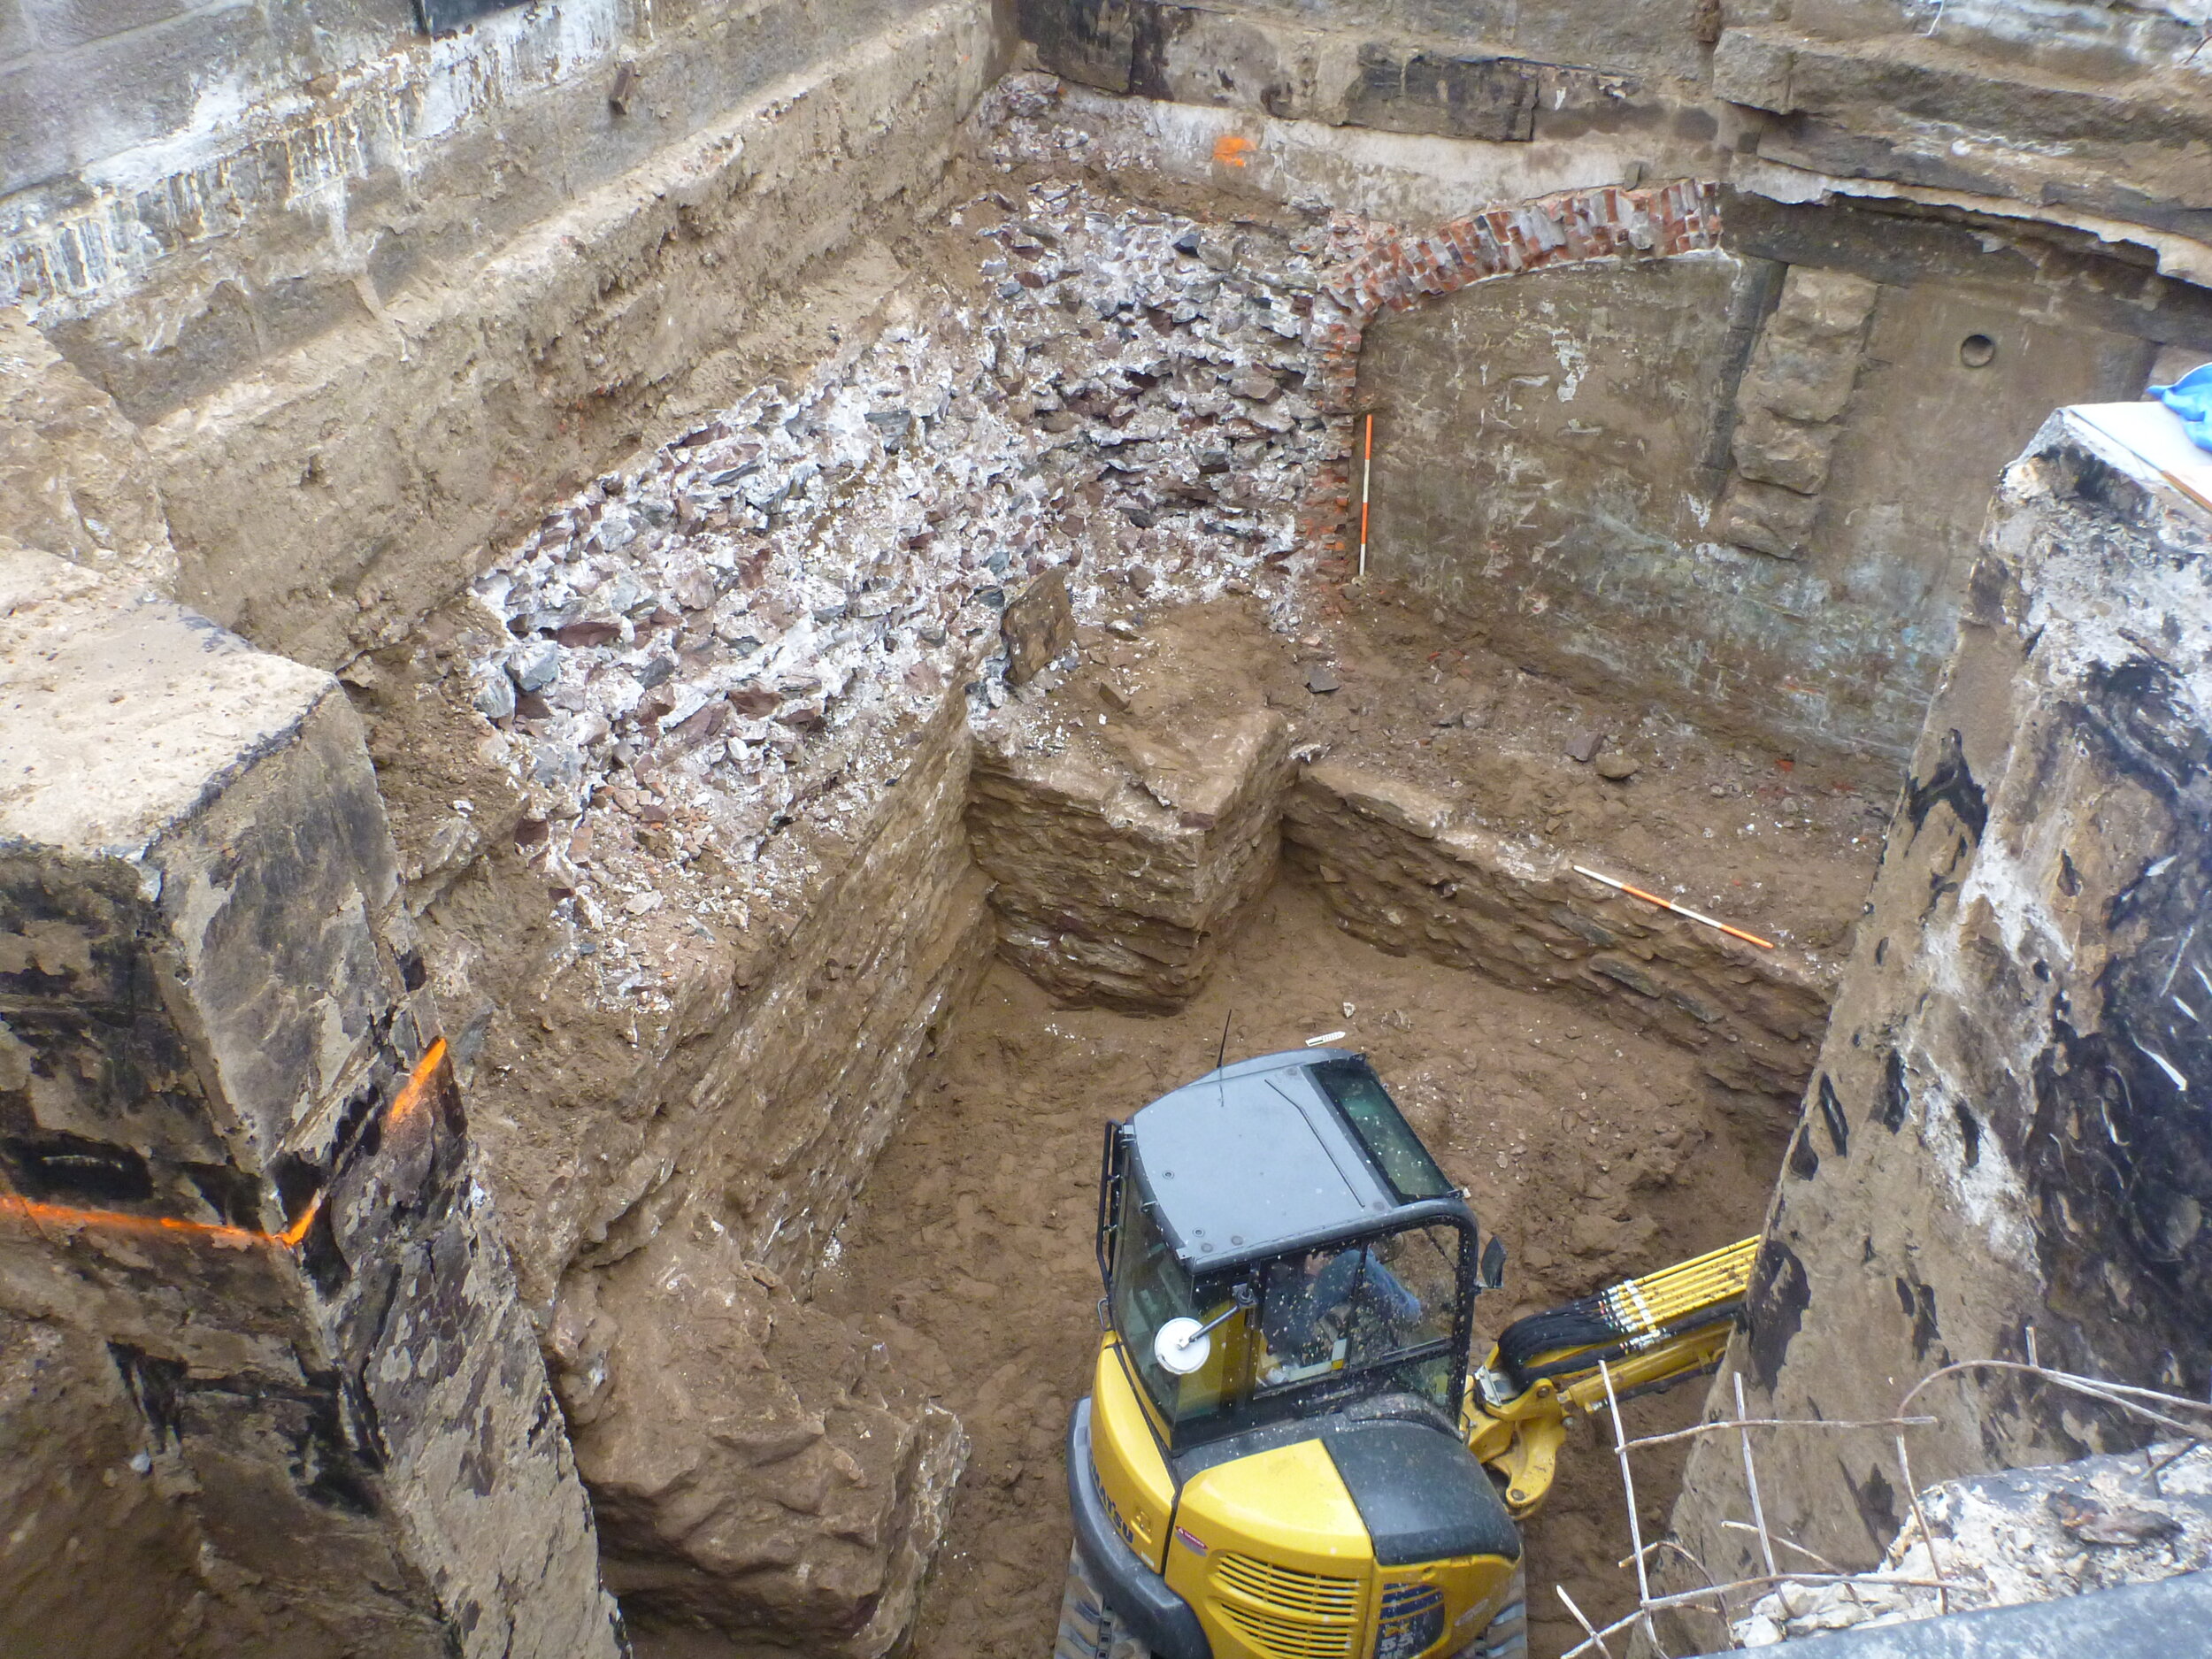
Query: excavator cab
[1284, 1453]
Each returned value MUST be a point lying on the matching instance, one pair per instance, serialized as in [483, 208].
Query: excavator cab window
[1379, 1312]
[1148, 1289]
[1277, 1244]
[1382, 1130]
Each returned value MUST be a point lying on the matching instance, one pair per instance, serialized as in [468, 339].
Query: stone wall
[1803, 574]
[368, 331]
[1401, 874]
[2076, 116]
[1119, 867]
[1497, 74]
[235, 1159]
[1708, 480]
[2001, 1155]
[75, 479]
[675, 1162]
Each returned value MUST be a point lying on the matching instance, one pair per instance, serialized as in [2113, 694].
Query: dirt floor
[1784, 843]
[1593, 1154]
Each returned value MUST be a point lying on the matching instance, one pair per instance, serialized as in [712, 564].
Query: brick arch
[1378, 266]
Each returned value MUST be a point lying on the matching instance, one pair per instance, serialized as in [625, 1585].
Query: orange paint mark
[404, 1105]
[411, 1094]
[40, 1215]
[291, 1236]
[1233, 149]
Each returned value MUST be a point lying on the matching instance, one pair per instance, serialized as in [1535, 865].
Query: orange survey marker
[1679, 909]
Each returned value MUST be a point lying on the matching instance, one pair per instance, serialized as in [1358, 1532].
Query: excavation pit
[904, 620]
[870, 679]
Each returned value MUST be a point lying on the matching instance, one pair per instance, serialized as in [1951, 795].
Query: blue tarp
[2190, 398]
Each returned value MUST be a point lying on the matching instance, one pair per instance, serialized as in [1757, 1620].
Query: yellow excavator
[1283, 1455]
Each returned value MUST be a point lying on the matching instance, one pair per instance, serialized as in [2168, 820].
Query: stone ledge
[1119, 868]
[1399, 874]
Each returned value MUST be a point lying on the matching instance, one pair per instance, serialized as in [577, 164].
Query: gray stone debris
[2017, 1536]
[742, 619]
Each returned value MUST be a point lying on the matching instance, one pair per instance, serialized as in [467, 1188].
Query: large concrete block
[234, 1155]
[2004, 1151]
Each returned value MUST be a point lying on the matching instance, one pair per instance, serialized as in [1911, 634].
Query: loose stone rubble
[734, 633]
[2017, 1536]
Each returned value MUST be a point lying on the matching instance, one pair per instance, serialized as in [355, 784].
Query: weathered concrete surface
[1120, 861]
[1401, 874]
[216, 1165]
[74, 477]
[2003, 1133]
[1581, 532]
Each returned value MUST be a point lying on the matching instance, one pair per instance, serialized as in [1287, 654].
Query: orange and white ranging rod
[1366, 483]
[1679, 909]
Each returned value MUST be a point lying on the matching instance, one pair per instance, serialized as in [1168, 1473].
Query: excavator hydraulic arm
[1640, 1335]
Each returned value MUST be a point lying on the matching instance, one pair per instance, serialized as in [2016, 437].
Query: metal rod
[2096, 1388]
[1679, 909]
[1751, 1479]
[1781, 1423]
[1584, 1622]
[1813, 1555]
[1628, 1488]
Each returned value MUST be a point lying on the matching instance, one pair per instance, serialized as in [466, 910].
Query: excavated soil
[1593, 1154]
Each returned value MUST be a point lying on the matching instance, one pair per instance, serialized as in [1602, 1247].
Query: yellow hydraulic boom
[1641, 1334]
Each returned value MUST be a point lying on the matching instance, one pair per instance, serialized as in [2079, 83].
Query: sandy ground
[970, 1253]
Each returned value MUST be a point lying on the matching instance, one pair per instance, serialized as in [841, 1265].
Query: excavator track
[1088, 1629]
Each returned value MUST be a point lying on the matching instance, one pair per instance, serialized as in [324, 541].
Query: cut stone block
[1766, 519]
[234, 1156]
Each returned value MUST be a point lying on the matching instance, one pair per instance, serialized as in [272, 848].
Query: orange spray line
[1366, 482]
[403, 1105]
[1679, 909]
